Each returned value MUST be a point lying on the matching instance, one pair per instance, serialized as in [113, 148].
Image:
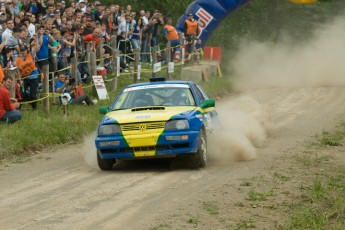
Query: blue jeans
[154, 41]
[174, 44]
[135, 44]
[30, 89]
[62, 64]
[11, 116]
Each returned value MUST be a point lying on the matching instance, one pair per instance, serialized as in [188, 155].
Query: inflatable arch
[210, 13]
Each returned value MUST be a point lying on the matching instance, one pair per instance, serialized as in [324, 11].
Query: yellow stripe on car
[143, 128]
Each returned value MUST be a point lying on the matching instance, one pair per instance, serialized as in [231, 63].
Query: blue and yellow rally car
[156, 119]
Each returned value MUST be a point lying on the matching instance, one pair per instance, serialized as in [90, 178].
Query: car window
[202, 92]
[199, 93]
[155, 96]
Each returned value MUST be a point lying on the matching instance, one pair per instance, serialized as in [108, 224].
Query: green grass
[321, 204]
[334, 138]
[217, 86]
[38, 130]
[244, 224]
[258, 196]
[193, 220]
[210, 207]
[281, 176]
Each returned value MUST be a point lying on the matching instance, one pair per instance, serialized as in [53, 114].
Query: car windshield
[155, 95]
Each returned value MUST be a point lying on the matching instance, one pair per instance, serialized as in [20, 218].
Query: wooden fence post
[136, 63]
[93, 64]
[181, 49]
[53, 88]
[88, 56]
[154, 59]
[74, 63]
[12, 74]
[45, 71]
[168, 58]
[100, 52]
[93, 71]
[114, 54]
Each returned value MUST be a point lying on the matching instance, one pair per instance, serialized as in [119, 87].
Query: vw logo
[142, 127]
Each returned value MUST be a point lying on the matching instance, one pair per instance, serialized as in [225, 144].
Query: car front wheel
[200, 157]
[105, 164]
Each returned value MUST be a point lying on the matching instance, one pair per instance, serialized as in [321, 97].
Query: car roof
[159, 82]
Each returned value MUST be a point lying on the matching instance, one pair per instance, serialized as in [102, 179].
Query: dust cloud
[317, 62]
[89, 150]
[245, 124]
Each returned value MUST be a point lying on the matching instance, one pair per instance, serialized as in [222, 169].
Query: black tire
[105, 164]
[199, 159]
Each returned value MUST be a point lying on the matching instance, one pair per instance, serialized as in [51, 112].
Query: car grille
[140, 126]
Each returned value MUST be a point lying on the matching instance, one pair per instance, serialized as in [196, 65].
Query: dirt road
[64, 189]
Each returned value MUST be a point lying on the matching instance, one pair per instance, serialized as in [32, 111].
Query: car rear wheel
[199, 158]
[105, 164]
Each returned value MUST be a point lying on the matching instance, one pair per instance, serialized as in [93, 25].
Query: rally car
[156, 119]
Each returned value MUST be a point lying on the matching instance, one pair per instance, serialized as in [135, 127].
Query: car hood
[148, 114]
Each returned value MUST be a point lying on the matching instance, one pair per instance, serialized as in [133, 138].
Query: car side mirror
[208, 104]
[103, 110]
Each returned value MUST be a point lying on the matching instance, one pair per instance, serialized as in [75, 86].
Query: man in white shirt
[126, 26]
[31, 27]
[9, 30]
[143, 16]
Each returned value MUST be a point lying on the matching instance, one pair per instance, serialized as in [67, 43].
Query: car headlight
[109, 129]
[177, 125]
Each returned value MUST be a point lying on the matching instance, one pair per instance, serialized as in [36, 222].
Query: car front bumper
[154, 145]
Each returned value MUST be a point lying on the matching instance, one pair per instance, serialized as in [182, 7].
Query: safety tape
[108, 79]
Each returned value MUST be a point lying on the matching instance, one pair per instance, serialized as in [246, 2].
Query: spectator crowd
[34, 33]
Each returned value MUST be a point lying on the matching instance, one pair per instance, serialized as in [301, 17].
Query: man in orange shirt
[2, 74]
[171, 34]
[191, 31]
[8, 106]
[28, 71]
